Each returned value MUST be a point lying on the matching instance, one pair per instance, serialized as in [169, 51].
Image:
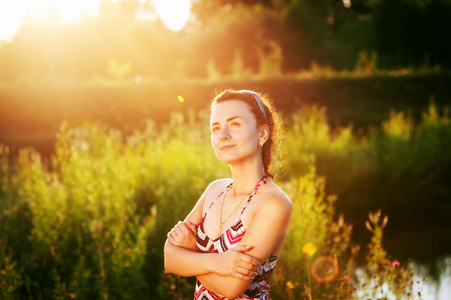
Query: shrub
[91, 221]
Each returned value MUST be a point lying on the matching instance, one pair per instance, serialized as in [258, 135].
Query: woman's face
[234, 132]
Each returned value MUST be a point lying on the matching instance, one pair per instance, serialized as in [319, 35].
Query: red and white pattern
[259, 287]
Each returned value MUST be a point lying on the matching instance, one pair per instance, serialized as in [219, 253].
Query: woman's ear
[264, 134]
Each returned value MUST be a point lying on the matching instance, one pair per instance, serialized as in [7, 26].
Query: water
[424, 287]
[439, 289]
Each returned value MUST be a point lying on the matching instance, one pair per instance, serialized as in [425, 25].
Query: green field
[118, 165]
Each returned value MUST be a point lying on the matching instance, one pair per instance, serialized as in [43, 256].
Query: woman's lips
[225, 148]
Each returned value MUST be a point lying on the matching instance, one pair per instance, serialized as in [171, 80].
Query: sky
[174, 13]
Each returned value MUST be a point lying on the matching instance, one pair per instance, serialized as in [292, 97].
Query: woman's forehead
[229, 109]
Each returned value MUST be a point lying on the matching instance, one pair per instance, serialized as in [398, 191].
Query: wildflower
[309, 249]
[173, 287]
[395, 263]
[290, 285]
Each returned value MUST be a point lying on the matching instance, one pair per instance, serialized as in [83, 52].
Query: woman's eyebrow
[228, 120]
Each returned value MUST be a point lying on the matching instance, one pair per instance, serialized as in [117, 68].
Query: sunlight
[13, 12]
[67, 10]
[173, 13]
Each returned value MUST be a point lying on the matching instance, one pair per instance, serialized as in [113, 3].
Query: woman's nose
[224, 135]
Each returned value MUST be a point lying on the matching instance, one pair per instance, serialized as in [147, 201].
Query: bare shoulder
[274, 198]
[217, 185]
[214, 189]
[206, 199]
[271, 202]
[268, 220]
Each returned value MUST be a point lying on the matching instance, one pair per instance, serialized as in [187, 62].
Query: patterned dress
[259, 287]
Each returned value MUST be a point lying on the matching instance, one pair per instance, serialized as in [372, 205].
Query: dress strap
[208, 209]
[263, 180]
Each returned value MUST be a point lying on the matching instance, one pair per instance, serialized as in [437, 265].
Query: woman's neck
[245, 179]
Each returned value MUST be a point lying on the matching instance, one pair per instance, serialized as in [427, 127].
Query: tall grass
[90, 223]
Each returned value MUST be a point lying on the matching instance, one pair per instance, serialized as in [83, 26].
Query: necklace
[221, 223]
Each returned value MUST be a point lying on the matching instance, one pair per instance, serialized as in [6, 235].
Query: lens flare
[324, 268]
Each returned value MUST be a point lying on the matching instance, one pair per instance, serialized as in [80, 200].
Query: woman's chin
[227, 159]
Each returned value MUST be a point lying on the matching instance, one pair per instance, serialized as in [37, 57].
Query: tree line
[228, 36]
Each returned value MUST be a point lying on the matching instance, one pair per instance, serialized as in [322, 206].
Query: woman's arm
[234, 263]
[181, 244]
[182, 258]
[266, 234]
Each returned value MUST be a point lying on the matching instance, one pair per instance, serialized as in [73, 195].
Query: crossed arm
[230, 273]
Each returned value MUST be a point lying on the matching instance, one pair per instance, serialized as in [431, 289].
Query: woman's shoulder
[270, 206]
[216, 187]
[274, 198]
[220, 182]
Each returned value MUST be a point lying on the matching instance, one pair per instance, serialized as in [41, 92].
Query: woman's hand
[235, 262]
[183, 235]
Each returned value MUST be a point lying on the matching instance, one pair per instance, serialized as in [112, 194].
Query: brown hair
[272, 119]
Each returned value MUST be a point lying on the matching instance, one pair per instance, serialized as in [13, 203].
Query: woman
[233, 236]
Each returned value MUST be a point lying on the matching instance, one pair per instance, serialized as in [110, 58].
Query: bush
[91, 221]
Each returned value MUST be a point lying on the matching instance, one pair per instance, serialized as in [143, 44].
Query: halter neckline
[229, 186]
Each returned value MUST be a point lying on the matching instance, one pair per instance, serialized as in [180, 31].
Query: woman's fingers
[249, 267]
[191, 227]
[173, 237]
[178, 228]
[243, 248]
[238, 264]
[246, 257]
[175, 234]
[182, 235]
[243, 273]
[182, 229]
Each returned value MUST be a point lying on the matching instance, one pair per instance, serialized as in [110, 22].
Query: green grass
[91, 221]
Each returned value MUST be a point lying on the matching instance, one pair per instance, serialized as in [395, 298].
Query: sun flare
[173, 13]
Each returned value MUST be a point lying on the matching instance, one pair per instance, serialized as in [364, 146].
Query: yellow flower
[309, 249]
[290, 285]
[181, 99]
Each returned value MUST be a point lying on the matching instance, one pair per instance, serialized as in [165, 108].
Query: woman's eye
[234, 124]
[215, 129]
